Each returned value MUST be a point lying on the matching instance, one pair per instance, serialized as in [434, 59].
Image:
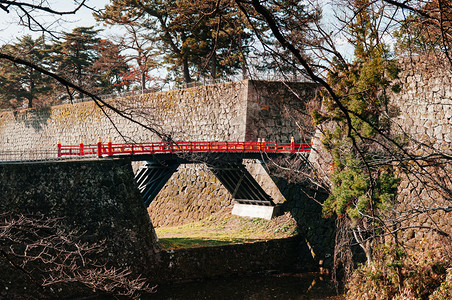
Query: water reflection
[257, 287]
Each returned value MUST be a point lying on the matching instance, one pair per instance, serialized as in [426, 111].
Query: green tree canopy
[197, 39]
[22, 83]
[75, 54]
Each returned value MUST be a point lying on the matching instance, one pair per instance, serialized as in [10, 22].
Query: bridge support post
[250, 200]
[152, 177]
[99, 148]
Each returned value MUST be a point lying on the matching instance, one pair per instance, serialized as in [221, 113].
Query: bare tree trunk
[31, 96]
[79, 80]
[364, 242]
[143, 81]
[213, 65]
[243, 62]
[186, 71]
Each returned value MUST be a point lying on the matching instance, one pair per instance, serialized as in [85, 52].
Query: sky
[10, 30]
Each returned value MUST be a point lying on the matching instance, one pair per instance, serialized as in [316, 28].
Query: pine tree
[361, 189]
[196, 39]
[109, 67]
[22, 83]
[75, 54]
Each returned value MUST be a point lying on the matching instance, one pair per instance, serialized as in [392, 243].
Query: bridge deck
[110, 149]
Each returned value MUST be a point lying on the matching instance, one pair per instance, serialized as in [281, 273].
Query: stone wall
[425, 115]
[423, 110]
[191, 194]
[279, 111]
[425, 102]
[95, 199]
[236, 111]
[205, 113]
[303, 202]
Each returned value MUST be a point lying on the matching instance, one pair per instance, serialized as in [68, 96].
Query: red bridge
[224, 159]
[109, 149]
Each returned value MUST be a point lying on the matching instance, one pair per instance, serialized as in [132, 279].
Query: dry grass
[398, 274]
[223, 228]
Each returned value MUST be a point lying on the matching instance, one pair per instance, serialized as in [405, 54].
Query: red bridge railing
[109, 149]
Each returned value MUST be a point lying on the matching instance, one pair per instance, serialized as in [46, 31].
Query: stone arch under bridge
[250, 197]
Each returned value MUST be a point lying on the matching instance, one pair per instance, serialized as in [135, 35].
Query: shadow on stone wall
[35, 118]
[303, 201]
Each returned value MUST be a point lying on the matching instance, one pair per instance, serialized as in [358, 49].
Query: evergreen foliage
[201, 39]
[81, 56]
[75, 54]
[20, 83]
[362, 188]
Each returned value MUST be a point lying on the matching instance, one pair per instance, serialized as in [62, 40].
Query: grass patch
[223, 228]
[180, 243]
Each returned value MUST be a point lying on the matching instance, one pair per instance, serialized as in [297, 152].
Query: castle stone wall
[425, 102]
[96, 200]
[425, 115]
[423, 122]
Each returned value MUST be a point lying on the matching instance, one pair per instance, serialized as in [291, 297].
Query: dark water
[280, 286]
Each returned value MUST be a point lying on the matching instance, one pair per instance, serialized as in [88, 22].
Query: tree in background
[155, 17]
[24, 83]
[427, 29]
[75, 54]
[219, 37]
[141, 55]
[110, 67]
[93, 63]
[191, 44]
[296, 20]
[98, 66]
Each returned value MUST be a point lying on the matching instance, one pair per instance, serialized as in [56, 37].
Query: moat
[263, 286]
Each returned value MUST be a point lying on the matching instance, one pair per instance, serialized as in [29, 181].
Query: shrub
[396, 274]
